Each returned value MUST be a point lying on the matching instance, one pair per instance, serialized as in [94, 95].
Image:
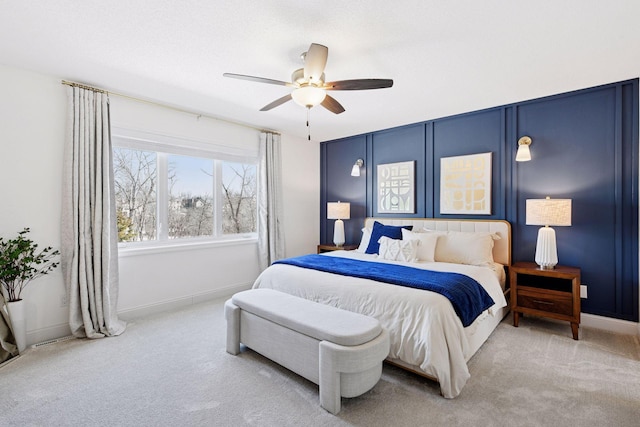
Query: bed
[427, 333]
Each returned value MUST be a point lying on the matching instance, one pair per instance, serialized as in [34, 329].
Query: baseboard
[48, 333]
[609, 324]
[62, 330]
[182, 302]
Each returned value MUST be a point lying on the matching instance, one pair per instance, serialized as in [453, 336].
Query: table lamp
[338, 211]
[547, 212]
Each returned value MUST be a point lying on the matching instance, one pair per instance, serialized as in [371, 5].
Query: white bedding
[425, 331]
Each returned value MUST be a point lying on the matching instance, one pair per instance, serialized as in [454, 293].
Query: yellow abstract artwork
[465, 184]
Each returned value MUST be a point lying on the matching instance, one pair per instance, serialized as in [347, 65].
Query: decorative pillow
[398, 250]
[426, 244]
[364, 241]
[379, 230]
[460, 247]
[422, 230]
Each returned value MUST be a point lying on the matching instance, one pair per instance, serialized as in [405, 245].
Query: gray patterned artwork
[396, 193]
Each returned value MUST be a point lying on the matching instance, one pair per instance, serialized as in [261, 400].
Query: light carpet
[172, 369]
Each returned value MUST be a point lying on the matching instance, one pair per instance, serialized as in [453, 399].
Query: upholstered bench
[339, 350]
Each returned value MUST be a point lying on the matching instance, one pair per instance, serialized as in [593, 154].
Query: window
[135, 176]
[190, 202]
[163, 196]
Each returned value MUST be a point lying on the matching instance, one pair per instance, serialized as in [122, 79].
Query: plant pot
[17, 314]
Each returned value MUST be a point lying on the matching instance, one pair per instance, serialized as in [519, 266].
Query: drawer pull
[537, 301]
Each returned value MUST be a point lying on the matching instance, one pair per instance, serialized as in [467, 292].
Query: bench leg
[364, 361]
[232, 315]
[329, 383]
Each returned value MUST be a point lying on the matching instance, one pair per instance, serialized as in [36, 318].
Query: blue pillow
[379, 230]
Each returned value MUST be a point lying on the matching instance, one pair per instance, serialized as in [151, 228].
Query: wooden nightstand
[548, 293]
[329, 248]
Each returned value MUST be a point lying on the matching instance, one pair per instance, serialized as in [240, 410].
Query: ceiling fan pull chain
[308, 127]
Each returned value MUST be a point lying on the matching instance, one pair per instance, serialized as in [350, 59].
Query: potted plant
[20, 263]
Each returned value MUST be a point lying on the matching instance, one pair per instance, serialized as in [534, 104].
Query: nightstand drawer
[559, 304]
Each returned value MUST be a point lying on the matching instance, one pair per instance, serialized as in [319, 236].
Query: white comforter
[424, 329]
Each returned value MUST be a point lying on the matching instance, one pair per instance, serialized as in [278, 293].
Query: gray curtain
[89, 246]
[270, 224]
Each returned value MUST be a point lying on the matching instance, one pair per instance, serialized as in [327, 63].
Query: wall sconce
[355, 170]
[523, 154]
[546, 212]
[338, 211]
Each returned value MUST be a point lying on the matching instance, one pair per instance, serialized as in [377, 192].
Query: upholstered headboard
[501, 247]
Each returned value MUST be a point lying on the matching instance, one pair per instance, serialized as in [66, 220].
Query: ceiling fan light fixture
[308, 96]
[309, 84]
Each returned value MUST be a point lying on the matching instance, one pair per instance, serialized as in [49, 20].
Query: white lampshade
[355, 170]
[546, 212]
[523, 154]
[308, 96]
[549, 211]
[338, 211]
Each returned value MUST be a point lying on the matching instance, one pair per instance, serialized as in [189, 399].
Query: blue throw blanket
[468, 297]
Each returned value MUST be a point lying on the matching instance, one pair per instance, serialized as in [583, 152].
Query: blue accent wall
[336, 160]
[384, 148]
[585, 147]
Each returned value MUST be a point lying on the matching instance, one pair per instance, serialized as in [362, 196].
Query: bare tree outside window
[240, 199]
[190, 200]
[189, 203]
[135, 175]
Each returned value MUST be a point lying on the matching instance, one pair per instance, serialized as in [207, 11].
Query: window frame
[164, 146]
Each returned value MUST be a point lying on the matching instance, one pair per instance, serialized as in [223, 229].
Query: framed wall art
[396, 187]
[465, 184]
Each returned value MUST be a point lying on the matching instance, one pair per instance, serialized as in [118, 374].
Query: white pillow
[460, 247]
[422, 230]
[426, 244]
[364, 241]
[398, 250]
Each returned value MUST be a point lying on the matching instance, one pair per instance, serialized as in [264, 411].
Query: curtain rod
[146, 101]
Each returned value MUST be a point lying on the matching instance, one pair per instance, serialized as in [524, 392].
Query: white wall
[33, 110]
[32, 130]
[301, 188]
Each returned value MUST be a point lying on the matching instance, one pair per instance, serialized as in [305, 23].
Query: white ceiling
[445, 57]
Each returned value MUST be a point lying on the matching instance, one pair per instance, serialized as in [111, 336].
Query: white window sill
[148, 248]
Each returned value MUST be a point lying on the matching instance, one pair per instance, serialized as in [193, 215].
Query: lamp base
[338, 233]
[546, 251]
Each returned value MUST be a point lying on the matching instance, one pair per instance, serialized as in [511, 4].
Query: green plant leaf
[21, 262]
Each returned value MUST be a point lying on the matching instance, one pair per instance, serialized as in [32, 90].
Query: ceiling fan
[309, 85]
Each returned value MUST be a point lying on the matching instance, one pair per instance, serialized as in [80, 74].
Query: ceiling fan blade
[277, 102]
[358, 84]
[257, 79]
[332, 105]
[314, 62]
